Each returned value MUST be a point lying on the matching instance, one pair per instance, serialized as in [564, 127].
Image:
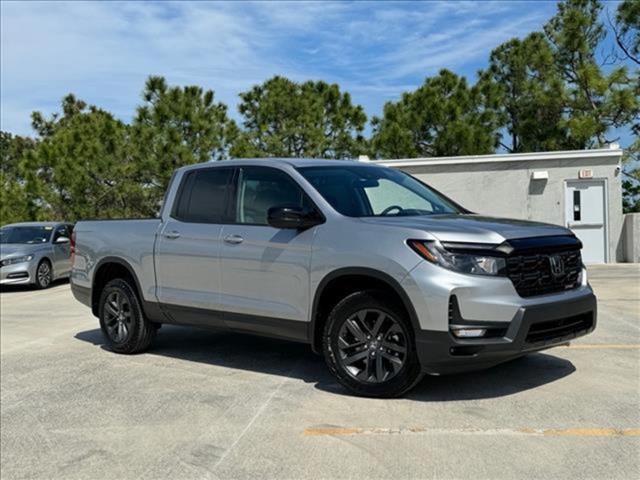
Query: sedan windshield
[371, 191]
[25, 234]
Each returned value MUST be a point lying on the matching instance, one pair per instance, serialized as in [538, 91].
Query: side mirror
[292, 218]
[62, 240]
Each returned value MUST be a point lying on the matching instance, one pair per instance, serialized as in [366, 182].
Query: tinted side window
[260, 188]
[203, 196]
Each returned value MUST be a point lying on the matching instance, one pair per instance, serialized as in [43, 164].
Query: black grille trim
[531, 273]
[560, 328]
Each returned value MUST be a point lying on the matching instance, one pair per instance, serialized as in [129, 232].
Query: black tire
[395, 369]
[44, 274]
[123, 324]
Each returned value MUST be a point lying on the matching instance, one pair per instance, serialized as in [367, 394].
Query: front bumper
[18, 274]
[533, 328]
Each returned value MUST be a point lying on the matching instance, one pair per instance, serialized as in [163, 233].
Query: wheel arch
[107, 269]
[337, 284]
[46, 257]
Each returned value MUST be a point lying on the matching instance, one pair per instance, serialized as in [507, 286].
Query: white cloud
[103, 51]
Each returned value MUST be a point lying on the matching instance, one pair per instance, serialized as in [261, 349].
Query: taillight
[73, 247]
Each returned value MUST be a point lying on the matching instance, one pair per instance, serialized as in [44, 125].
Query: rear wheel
[369, 346]
[44, 274]
[122, 321]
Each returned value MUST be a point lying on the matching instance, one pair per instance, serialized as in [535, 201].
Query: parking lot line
[603, 346]
[545, 432]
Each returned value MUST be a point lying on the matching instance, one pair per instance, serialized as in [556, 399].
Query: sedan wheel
[43, 274]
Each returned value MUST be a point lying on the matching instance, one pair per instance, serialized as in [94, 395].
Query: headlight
[13, 260]
[478, 264]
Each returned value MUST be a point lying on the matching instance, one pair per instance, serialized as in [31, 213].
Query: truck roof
[294, 162]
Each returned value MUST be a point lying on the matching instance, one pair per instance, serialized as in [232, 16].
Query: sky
[103, 51]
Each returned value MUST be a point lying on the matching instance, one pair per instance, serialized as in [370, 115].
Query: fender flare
[148, 308]
[364, 271]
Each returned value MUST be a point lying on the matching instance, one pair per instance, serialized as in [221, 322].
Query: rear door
[188, 247]
[265, 270]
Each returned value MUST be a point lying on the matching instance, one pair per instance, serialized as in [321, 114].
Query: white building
[579, 189]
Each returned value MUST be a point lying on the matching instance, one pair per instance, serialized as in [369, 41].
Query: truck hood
[19, 249]
[472, 228]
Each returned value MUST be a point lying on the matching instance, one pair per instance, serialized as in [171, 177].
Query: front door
[188, 248]
[265, 270]
[61, 251]
[585, 216]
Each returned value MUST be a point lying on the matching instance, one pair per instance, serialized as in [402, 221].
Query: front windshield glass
[371, 191]
[28, 235]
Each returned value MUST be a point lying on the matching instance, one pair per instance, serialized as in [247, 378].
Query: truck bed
[130, 240]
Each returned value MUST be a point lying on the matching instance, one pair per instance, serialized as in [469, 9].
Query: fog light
[18, 275]
[469, 332]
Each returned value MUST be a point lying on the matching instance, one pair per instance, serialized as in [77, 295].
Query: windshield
[371, 191]
[25, 234]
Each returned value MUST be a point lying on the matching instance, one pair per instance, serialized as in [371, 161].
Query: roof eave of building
[611, 154]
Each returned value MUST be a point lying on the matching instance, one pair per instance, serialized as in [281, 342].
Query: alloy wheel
[117, 319]
[44, 274]
[372, 346]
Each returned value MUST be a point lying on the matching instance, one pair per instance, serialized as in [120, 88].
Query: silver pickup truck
[384, 276]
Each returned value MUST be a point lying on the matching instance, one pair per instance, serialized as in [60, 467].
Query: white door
[585, 216]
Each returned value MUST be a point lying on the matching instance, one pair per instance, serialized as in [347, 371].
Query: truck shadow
[296, 360]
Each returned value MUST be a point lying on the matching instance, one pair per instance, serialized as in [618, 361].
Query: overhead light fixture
[540, 175]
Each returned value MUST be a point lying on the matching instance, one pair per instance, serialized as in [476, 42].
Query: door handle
[171, 235]
[233, 239]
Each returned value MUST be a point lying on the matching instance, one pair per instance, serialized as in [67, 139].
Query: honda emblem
[557, 265]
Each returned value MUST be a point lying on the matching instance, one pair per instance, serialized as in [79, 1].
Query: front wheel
[122, 321]
[369, 346]
[44, 274]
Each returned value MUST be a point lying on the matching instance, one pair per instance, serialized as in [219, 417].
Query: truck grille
[541, 273]
[557, 329]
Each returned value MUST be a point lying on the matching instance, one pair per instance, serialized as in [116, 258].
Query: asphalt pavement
[203, 404]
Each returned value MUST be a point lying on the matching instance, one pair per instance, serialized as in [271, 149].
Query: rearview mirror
[365, 183]
[292, 217]
[62, 240]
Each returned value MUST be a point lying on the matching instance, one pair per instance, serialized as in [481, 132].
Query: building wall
[631, 233]
[505, 188]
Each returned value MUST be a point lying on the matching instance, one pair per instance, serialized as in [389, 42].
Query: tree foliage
[550, 90]
[627, 34]
[627, 29]
[528, 93]
[597, 101]
[283, 118]
[445, 116]
[15, 204]
[175, 126]
[81, 167]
